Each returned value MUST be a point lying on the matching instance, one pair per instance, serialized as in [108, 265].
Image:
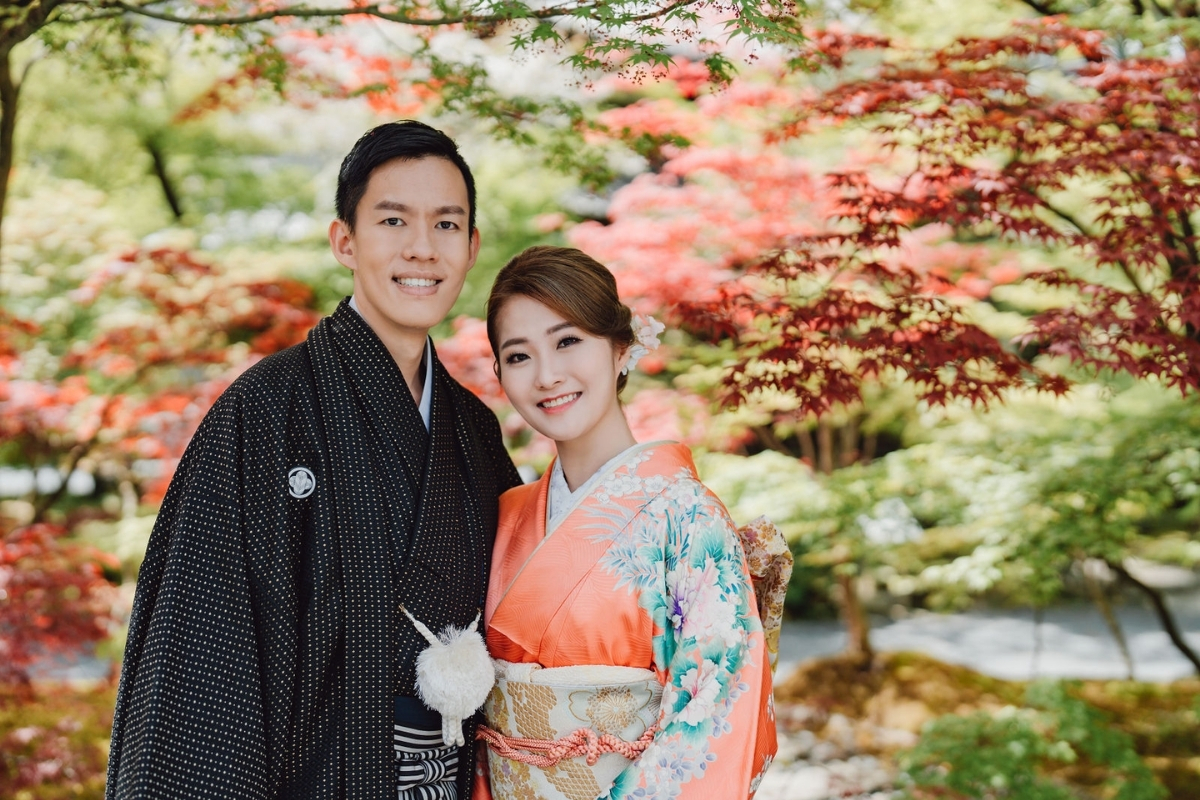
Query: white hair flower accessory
[645, 335]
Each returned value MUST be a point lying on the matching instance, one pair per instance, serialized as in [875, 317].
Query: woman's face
[562, 380]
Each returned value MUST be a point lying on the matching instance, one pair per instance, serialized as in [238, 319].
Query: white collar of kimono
[560, 500]
[427, 392]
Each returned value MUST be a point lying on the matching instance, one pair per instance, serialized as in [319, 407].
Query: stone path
[811, 768]
[1075, 642]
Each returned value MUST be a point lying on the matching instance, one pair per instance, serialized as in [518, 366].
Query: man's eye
[567, 341]
[393, 222]
[447, 225]
[515, 358]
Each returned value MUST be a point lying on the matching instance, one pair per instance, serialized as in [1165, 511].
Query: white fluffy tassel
[454, 675]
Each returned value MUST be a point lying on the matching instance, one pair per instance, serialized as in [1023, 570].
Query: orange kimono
[647, 571]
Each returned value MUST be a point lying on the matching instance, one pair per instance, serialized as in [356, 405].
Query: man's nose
[419, 246]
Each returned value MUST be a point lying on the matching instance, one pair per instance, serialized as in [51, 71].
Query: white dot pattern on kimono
[240, 678]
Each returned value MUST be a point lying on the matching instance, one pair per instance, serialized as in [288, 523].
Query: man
[331, 483]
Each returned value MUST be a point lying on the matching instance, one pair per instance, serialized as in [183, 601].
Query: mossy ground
[905, 690]
[54, 741]
[54, 738]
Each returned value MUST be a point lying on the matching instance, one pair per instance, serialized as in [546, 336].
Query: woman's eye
[567, 341]
[515, 358]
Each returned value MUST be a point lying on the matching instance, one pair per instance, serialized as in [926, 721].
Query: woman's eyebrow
[551, 330]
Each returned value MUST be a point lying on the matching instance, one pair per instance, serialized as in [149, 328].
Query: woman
[631, 657]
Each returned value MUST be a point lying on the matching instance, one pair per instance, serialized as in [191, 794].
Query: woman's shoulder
[663, 457]
[683, 489]
[520, 493]
[517, 498]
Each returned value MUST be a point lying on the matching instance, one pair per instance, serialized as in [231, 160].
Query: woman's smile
[559, 403]
[560, 378]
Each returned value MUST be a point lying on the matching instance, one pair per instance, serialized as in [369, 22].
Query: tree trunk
[824, 448]
[8, 124]
[870, 444]
[854, 617]
[1039, 613]
[1164, 615]
[159, 164]
[1100, 598]
[808, 450]
[848, 451]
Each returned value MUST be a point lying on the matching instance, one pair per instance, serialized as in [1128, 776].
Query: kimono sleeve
[189, 719]
[716, 732]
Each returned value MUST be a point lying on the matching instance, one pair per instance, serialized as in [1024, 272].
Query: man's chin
[407, 314]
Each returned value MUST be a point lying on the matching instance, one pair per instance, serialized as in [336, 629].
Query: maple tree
[691, 234]
[595, 35]
[996, 138]
[54, 597]
[120, 395]
[980, 144]
[991, 146]
[1046, 141]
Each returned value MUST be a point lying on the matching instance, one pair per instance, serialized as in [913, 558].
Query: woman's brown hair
[573, 285]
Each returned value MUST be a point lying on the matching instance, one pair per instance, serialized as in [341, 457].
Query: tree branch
[308, 12]
[17, 26]
[73, 458]
[1163, 10]
[158, 163]
[1066, 217]
[9, 96]
[1189, 236]
[1043, 8]
[1092, 582]
[1139, 8]
[1164, 614]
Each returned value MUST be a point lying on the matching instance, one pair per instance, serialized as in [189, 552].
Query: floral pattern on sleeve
[682, 557]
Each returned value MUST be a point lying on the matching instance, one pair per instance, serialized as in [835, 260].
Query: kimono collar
[426, 403]
[560, 499]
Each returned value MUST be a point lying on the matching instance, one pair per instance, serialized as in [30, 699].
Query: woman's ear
[496, 368]
[622, 360]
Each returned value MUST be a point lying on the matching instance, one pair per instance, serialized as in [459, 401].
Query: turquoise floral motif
[680, 553]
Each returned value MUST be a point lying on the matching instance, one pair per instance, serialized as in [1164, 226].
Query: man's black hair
[407, 140]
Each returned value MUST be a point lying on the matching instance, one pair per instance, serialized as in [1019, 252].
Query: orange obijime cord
[583, 742]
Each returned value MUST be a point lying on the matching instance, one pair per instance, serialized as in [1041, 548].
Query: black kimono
[266, 646]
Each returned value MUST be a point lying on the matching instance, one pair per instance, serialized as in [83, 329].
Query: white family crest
[301, 482]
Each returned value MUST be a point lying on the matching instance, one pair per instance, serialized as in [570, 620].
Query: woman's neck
[581, 457]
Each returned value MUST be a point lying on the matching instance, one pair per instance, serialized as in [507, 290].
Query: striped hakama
[426, 769]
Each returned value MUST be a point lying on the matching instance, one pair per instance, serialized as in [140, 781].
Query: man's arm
[189, 720]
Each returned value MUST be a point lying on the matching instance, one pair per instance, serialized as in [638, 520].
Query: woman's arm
[717, 721]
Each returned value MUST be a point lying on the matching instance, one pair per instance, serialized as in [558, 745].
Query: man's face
[410, 249]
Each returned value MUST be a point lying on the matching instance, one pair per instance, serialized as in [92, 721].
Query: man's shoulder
[278, 372]
[467, 402]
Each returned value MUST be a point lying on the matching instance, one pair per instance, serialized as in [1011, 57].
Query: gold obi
[553, 721]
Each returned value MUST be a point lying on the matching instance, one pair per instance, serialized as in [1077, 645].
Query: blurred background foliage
[166, 227]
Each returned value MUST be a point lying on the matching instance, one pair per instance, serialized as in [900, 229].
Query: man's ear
[474, 248]
[341, 242]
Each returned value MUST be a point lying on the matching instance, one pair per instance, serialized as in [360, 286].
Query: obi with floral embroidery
[645, 572]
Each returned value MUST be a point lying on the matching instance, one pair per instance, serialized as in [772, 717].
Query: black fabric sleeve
[492, 441]
[189, 720]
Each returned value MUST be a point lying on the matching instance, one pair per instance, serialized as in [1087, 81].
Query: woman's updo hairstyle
[571, 283]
